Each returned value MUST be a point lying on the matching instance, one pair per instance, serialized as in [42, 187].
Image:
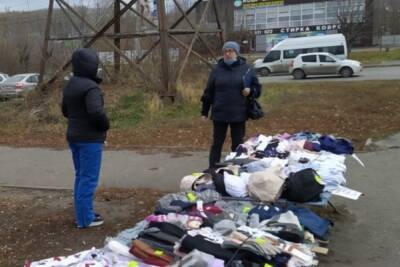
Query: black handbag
[254, 109]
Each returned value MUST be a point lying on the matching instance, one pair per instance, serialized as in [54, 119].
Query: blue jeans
[87, 163]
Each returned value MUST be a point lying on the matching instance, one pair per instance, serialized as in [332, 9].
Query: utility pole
[117, 41]
[165, 73]
[46, 42]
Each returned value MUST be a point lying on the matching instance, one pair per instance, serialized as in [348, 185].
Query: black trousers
[238, 130]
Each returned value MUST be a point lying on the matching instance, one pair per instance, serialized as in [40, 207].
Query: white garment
[263, 142]
[209, 234]
[329, 166]
[235, 186]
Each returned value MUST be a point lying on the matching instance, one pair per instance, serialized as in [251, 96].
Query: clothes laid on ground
[239, 215]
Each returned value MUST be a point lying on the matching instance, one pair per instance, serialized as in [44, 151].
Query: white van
[279, 57]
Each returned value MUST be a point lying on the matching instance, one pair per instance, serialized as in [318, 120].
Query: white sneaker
[96, 222]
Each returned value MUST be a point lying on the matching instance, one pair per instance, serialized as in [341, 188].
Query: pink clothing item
[189, 222]
[211, 208]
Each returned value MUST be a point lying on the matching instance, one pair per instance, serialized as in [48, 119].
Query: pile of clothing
[246, 212]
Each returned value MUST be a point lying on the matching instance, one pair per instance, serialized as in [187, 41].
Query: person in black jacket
[82, 105]
[229, 85]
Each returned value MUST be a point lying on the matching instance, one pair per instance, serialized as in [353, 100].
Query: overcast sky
[23, 5]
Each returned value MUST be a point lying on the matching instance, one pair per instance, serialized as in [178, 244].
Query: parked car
[279, 57]
[323, 64]
[3, 77]
[18, 84]
[100, 74]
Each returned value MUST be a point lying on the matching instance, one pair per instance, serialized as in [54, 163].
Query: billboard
[317, 28]
[246, 4]
[256, 3]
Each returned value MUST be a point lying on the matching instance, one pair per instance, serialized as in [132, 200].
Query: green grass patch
[136, 110]
[374, 57]
[128, 112]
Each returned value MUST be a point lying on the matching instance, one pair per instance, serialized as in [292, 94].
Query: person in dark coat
[230, 84]
[82, 105]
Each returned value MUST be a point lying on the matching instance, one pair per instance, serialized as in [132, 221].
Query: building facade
[274, 20]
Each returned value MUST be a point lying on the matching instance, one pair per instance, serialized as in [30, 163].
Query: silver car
[3, 77]
[18, 84]
[323, 64]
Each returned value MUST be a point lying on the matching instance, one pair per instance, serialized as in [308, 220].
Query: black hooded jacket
[82, 102]
[223, 93]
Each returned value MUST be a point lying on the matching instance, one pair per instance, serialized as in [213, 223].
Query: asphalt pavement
[381, 72]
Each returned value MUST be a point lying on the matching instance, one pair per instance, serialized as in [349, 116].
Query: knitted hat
[266, 185]
[190, 182]
[232, 45]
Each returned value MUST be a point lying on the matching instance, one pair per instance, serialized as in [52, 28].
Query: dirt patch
[38, 224]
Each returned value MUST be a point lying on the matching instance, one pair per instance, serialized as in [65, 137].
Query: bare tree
[24, 56]
[355, 19]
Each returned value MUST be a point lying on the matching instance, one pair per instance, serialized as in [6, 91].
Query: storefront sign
[258, 3]
[295, 2]
[247, 4]
[313, 28]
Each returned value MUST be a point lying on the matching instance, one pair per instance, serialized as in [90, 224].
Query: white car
[279, 57]
[323, 64]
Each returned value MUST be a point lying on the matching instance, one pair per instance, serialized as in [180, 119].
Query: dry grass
[357, 110]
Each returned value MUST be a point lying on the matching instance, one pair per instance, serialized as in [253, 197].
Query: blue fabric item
[87, 163]
[336, 145]
[281, 260]
[232, 45]
[182, 204]
[311, 221]
[310, 136]
[316, 147]
[264, 213]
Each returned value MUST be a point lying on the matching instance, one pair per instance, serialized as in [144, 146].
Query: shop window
[261, 18]
[283, 19]
[284, 24]
[306, 17]
[283, 9]
[295, 23]
[295, 12]
[307, 22]
[295, 8]
[260, 26]
[332, 20]
[319, 21]
[250, 21]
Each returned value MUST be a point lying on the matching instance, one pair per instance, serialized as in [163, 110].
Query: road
[375, 73]
[365, 233]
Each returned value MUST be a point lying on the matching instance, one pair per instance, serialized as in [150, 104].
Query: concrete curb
[381, 65]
